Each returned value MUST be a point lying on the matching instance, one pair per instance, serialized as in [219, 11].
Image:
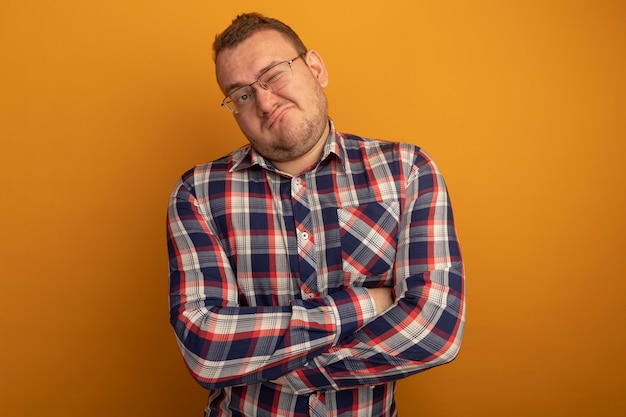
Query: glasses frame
[226, 102]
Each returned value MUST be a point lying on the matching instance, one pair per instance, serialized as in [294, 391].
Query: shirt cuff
[302, 383]
[353, 309]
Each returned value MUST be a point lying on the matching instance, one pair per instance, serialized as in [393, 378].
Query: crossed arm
[353, 337]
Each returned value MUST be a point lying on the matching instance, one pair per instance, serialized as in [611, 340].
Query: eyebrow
[234, 86]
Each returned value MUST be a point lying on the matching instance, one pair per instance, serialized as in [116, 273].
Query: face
[286, 124]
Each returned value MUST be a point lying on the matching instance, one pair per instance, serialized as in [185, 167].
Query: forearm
[396, 345]
[236, 345]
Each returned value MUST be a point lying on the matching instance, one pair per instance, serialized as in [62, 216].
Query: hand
[280, 381]
[382, 298]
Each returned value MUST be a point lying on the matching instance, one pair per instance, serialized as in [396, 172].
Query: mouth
[277, 115]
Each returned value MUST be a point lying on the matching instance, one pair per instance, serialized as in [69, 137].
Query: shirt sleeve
[225, 344]
[425, 325]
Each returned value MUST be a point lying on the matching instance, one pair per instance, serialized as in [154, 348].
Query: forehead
[243, 63]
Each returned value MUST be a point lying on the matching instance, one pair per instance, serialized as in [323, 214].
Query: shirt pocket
[368, 243]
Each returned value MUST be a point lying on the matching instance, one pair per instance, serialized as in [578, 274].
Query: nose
[265, 100]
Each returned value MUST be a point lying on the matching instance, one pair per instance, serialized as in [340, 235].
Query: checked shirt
[269, 275]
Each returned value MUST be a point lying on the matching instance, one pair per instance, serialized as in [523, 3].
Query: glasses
[272, 79]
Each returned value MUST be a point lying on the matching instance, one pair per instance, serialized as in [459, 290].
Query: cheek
[245, 122]
[250, 127]
[315, 94]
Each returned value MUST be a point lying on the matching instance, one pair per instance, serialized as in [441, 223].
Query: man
[310, 269]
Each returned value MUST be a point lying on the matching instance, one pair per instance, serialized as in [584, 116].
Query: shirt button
[304, 236]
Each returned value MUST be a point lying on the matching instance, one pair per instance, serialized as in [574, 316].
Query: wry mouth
[277, 115]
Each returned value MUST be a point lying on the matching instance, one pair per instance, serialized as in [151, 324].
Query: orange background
[522, 103]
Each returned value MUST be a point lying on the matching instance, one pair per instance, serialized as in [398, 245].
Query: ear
[316, 64]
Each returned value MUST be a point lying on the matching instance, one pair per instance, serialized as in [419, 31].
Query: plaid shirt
[268, 278]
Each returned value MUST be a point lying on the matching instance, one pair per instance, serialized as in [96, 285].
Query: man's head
[285, 121]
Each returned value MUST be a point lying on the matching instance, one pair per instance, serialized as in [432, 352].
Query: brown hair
[246, 25]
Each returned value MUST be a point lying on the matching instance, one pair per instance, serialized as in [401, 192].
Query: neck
[296, 166]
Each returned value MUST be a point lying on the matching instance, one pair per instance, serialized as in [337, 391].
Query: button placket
[307, 257]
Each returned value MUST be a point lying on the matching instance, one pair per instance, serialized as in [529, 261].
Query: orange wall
[104, 103]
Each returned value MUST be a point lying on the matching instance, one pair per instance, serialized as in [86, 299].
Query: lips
[277, 115]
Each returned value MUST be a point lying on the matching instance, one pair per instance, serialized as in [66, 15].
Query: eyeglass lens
[272, 79]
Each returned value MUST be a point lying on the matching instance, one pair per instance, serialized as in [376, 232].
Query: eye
[242, 98]
[274, 77]
[241, 95]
